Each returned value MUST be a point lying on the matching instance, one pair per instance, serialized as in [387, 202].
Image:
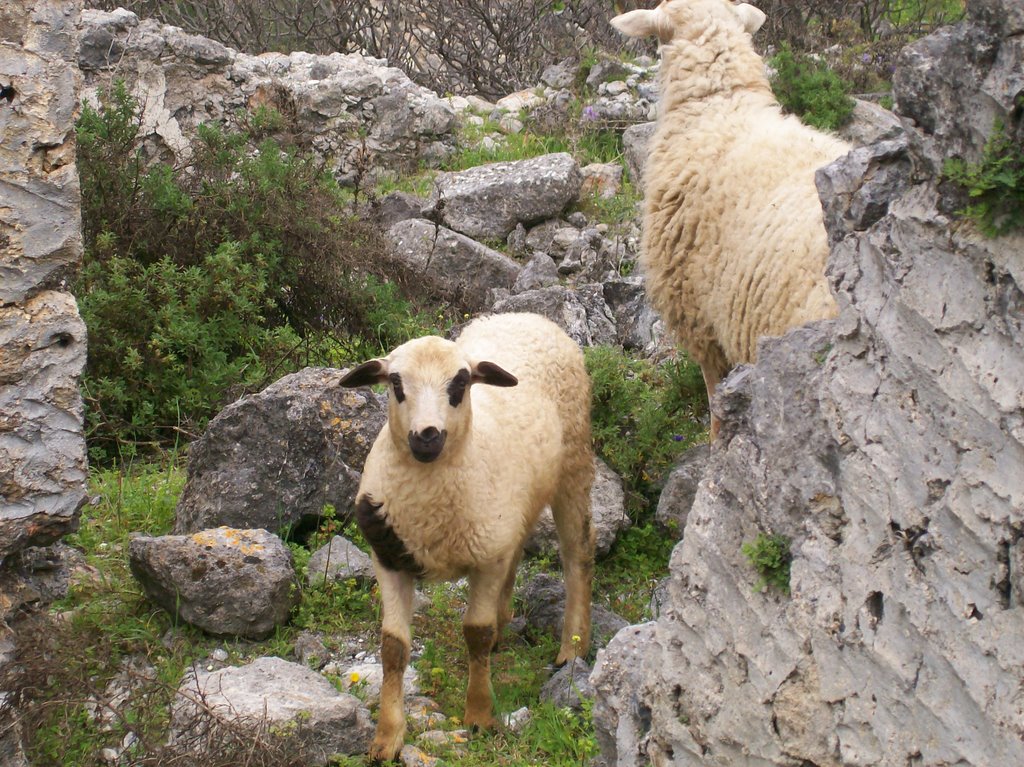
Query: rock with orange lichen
[225, 581]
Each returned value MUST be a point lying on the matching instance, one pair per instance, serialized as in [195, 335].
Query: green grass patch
[994, 184]
[808, 88]
[770, 557]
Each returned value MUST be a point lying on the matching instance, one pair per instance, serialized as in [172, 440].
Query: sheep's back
[734, 245]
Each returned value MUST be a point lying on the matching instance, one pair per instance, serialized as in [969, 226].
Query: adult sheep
[456, 479]
[733, 246]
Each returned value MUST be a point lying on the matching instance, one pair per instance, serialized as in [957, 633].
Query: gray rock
[488, 201]
[225, 581]
[605, 70]
[602, 179]
[273, 695]
[636, 323]
[274, 459]
[871, 122]
[569, 686]
[339, 560]
[451, 263]
[608, 509]
[540, 272]
[552, 237]
[42, 451]
[681, 488]
[634, 147]
[581, 313]
[310, 650]
[354, 110]
[399, 206]
[561, 75]
[543, 601]
[888, 446]
[621, 720]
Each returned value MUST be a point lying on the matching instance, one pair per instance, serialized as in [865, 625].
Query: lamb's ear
[370, 372]
[639, 23]
[751, 17]
[489, 373]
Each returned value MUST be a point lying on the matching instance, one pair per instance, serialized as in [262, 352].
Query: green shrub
[769, 556]
[643, 416]
[994, 184]
[810, 89]
[200, 285]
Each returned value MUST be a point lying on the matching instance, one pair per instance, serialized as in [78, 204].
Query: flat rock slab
[488, 201]
[271, 695]
[272, 460]
[226, 581]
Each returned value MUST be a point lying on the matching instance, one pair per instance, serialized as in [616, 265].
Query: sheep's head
[429, 381]
[686, 17]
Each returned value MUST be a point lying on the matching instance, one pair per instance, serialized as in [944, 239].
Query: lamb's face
[429, 381]
[687, 18]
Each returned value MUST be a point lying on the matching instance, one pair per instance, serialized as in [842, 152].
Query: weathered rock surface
[339, 560]
[680, 489]
[183, 80]
[272, 460]
[451, 263]
[273, 695]
[569, 686]
[608, 510]
[42, 445]
[888, 446]
[42, 338]
[581, 313]
[543, 600]
[225, 581]
[488, 201]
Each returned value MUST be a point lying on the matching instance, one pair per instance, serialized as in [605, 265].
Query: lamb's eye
[396, 386]
[457, 388]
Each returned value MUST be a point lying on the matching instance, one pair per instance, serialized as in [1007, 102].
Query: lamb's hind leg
[571, 510]
[396, 591]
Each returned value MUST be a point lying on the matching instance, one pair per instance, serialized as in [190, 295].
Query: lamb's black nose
[426, 445]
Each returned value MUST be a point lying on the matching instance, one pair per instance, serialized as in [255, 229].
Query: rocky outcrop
[888, 448]
[353, 111]
[42, 338]
[274, 459]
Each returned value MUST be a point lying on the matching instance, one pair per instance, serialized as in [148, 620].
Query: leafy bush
[810, 89]
[643, 416]
[769, 556]
[994, 184]
[200, 285]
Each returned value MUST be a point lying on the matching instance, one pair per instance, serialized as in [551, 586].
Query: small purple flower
[677, 437]
[866, 58]
[589, 113]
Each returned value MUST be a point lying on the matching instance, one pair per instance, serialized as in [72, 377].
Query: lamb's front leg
[396, 591]
[480, 628]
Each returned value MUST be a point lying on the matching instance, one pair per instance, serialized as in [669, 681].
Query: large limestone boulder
[488, 201]
[225, 581]
[272, 460]
[888, 447]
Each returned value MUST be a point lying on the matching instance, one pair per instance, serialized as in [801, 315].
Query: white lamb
[734, 247]
[455, 481]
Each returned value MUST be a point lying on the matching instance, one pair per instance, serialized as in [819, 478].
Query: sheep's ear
[751, 17]
[639, 23]
[489, 373]
[370, 372]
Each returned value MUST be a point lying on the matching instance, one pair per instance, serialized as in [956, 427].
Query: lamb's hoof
[478, 722]
[566, 655]
[386, 749]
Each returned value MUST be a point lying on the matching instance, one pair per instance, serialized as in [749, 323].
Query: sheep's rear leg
[571, 511]
[396, 590]
[480, 629]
